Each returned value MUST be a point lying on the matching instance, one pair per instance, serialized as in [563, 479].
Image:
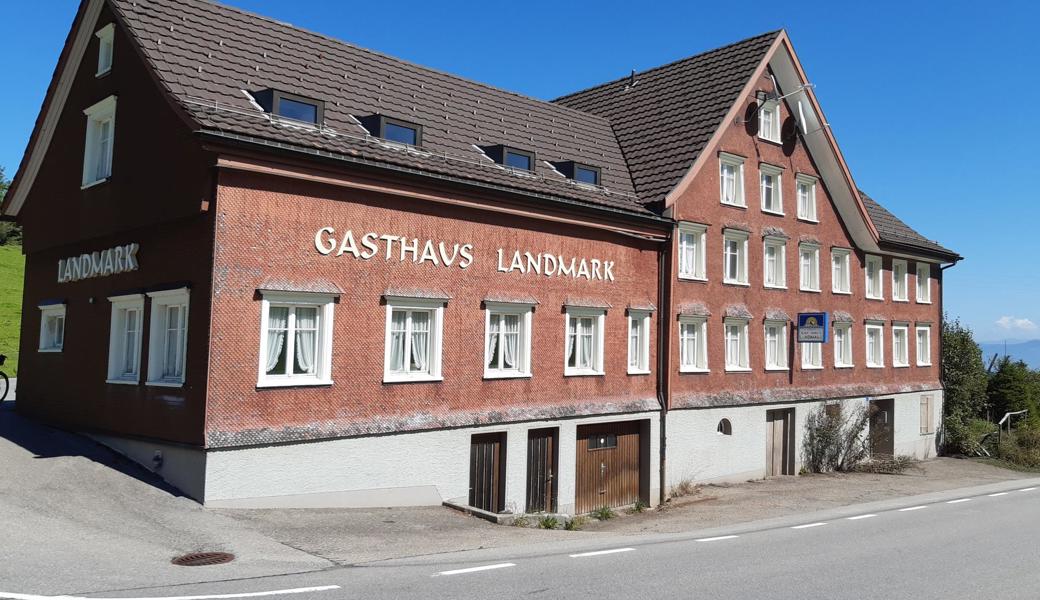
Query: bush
[638, 507]
[685, 487]
[521, 521]
[1022, 447]
[575, 523]
[896, 465]
[967, 438]
[834, 442]
[549, 522]
[604, 513]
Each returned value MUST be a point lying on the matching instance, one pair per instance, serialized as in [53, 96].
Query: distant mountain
[1028, 352]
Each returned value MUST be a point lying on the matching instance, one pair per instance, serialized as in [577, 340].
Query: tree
[964, 371]
[1013, 387]
[10, 233]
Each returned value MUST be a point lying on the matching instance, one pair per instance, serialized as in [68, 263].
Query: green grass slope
[12, 264]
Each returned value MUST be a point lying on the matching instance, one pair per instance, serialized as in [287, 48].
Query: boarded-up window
[927, 415]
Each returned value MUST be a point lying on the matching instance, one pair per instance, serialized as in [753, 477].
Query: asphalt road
[971, 543]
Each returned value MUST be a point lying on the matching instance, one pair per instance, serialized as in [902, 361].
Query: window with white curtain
[899, 281]
[691, 251]
[638, 342]
[693, 344]
[124, 344]
[771, 189]
[812, 356]
[875, 346]
[806, 188]
[97, 154]
[924, 283]
[734, 259]
[776, 345]
[875, 283]
[413, 342]
[736, 334]
[583, 354]
[900, 346]
[168, 337]
[731, 179]
[106, 48]
[52, 327]
[507, 340]
[841, 273]
[769, 121]
[924, 345]
[774, 262]
[295, 339]
[843, 345]
[809, 267]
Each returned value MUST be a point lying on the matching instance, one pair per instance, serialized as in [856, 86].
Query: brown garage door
[486, 472]
[607, 468]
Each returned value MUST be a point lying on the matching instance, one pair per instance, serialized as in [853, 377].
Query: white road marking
[601, 552]
[997, 494]
[808, 525]
[1027, 489]
[959, 501]
[719, 538]
[857, 518]
[475, 569]
[305, 590]
[912, 508]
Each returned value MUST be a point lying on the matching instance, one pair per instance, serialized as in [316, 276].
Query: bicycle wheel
[5, 385]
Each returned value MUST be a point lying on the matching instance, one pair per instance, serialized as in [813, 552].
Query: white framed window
[812, 356]
[106, 48]
[774, 262]
[927, 414]
[693, 344]
[924, 283]
[638, 342]
[124, 340]
[769, 121]
[414, 330]
[776, 345]
[875, 283]
[899, 281]
[52, 327]
[734, 260]
[583, 353]
[841, 271]
[168, 337]
[875, 346]
[737, 345]
[507, 340]
[924, 345]
[731, 179]
[692, 240]
[842, 345]
[806, 188]
[770, 189]
[97, 153]
[900, 346]
[295, 339]
[809, 267]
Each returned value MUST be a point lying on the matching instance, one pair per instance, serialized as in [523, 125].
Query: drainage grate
[203, 559]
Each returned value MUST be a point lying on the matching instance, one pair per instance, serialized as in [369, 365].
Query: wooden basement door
[780, 442]
[487, 472]
[541, 469]
[607, 466]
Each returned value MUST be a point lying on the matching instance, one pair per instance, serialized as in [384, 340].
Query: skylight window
[291, 106]
[396, 132]
[586, 174]
[298, 111]
[519, 160]
[392, 130]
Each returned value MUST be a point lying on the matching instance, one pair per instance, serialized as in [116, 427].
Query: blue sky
[935, 106]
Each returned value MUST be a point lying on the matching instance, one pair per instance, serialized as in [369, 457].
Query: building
[302, 273]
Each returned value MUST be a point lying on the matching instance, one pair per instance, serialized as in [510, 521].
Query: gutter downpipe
[942, 346]
[664, 310]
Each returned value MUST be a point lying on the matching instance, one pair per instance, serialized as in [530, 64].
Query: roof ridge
[416, 65]
[668, 65]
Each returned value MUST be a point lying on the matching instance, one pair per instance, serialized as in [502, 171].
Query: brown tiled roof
[894, 231]
[206, 54]
[666, 119]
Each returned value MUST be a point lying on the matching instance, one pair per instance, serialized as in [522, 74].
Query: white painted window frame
[106, 49]
[741, 237]
[927, 414]
[926, 268]
[847, 328]
[780, 244]
[780, 361]
[879, 293]
[898, 265]
[698, 234]
[643, 360]
[102, 112]
[47, 313]
[700, 326]
[809, 183]
[773, 132]
[839, 286]
[904, 360]
[117, 351]
[809, 351]
[813, 284]
[158, 330]
[744, 349]
[325, 304]
[732, 160]
[880, 329]
[775, 174]
[927, 331]
[600, 316]
[525, 313]
[435, 306]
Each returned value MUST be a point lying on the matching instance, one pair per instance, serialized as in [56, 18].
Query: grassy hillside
[11, 265]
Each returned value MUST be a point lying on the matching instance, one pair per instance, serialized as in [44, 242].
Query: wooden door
[780, 442]
[607, 466]
[541, 469]
[487, 472]
[882, 428]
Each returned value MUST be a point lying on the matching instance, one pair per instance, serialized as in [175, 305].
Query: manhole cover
[202, 559]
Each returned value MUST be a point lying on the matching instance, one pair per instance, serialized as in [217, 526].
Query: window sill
[808, 220]
[875, 366]
[309, 382]
[771, 141]
[901, 300]
[101, 74]
[906, 366]
[732, 205]
[924, 364]
[692, 278]
[49, 350]
[738, 369]
[412, 379]
[876, 298]
[774, 287]
[168, 384]
[804, 368]
[639, 371]
[775, 213]
[811, 291]
[513, 375]
[777, 369]
[841, 293]
[844, 366]
[927, 433]
[693, 370]
[736, 283]
[583, 373]
[123, 381]
[924, 301]
[87, 186]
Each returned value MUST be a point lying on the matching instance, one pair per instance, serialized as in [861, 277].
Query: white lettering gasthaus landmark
[101, 263]
[439, 253]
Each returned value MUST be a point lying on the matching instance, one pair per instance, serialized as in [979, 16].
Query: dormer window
[514, 158]
[393, 130]
[769, 121]
[106, 46]
[291, 106]
[579, 172]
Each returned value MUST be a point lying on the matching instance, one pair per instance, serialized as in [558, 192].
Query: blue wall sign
[813, 328]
